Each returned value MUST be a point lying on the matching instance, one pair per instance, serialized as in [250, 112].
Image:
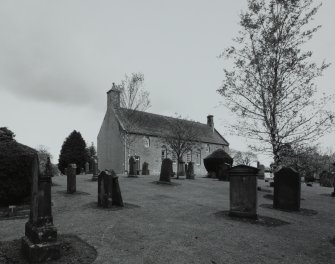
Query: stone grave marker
[166, 171]
[95, 170]
[190, 171]
[287, 189]
[109, 192]
[71, 178]
[243, 191]
[87, 168]
[40, 241]
[132, 164]
[145, 168]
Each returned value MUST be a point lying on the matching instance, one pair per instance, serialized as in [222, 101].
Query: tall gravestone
[109, 192]
[87, 168]
[145, 168]
[190, 171]
[71, 178]
[243, 191]
[287, 189]
[95, 170]
[166, 171]
[40, 241]
[132, 167]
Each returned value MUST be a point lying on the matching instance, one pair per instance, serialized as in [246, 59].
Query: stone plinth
[243, 191]
[166, 171]
[287, 189]
[71, 178]
[40, 241]
[109, 192]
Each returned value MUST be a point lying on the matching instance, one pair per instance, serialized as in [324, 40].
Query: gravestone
[40, 241]
[95, 169]
[132, 164]
[217, 164]
[145, 168]
[243, 191]
[166, 170]
[87, 168]
[109, 192]
[71, 178]
[190, 171]
[287, 189]
[181, 168]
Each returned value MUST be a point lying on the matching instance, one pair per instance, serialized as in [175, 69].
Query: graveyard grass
[182, 224]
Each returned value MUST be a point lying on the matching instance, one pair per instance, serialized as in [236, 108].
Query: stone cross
[40, 240]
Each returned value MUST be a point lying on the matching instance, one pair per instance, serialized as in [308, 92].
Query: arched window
[146, 141]
[164, 152]
[198, 157]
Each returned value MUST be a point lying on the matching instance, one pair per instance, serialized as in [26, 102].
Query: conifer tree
[73, 151]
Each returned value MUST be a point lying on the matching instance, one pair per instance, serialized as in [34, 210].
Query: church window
[146, 142]
[198, 157]
[208, 148]
[189, 156]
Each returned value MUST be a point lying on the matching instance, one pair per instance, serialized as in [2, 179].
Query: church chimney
[210, 121]
[113, 97]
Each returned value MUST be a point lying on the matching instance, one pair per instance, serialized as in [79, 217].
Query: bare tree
[243, 158]
[135, 99]
[182, 137]
[270, 86]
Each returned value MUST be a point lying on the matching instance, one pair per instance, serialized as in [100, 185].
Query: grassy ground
[184, 224]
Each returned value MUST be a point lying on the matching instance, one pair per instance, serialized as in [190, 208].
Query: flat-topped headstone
[40, 241]
[132, 164]
[71, 178]
[166, 170]
[145, 168]
[287, 189]
[109, 192]
[243, 191]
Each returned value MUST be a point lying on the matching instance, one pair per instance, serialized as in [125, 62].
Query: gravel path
[181, 224]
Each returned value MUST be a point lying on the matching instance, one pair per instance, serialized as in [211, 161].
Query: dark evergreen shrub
[73, 151]
[15, 169]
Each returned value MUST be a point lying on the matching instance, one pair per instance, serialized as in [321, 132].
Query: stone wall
[110, 147]
[152, 154]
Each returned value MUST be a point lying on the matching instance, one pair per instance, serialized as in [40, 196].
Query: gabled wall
[110, 147]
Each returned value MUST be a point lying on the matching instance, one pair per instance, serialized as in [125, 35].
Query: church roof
[149, 124]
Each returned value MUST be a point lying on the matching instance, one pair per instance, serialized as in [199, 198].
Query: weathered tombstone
[217, 164]
[82, 171]
[71, 178]
[132, 163]
[145, 168]
[87, 168]
[166, 170]
[40, 241]
[109, 192]
[95, 170]
[190, 171]
[287, 189]
[137, 165]
[181, 168]
[243, 191]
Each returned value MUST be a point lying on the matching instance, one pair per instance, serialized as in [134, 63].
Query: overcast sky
[59, 58]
